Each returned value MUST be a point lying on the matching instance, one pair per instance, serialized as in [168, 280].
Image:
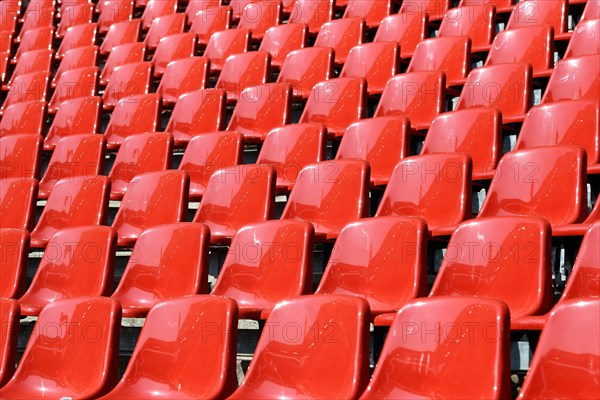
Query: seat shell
[20, 156]
[183, 76]
[127, 80]
[132, 115]
[25, 117]
[280, 40]
[223, 44]
[122, 54]
[452, 56]
[341, 35]
[172, 48]
[17, 203]
[585, 39]
[573, 79]
[304, 68]
[9, 317]
[243, 70]
[13, 271]
[313, 13]
[377, 62]
[474, 21]
[120, 33]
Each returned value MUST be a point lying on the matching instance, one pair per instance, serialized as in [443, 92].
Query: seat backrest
[280, 40]
[304, 68]
[408, 30]
[126, 53]
[13, 264]
[9, 318]
[170, 24]
[208, 20]
[183, 76]
[376, 62]
[591, 10]
[372, 11]
[33, 61]
[436, 9]
[127, 80]
[78, 57]
[35, 39]
[116, 11]
[157, 8]
[120, 33]
[74, 117]
[26, 117]
[540, 12]
[584, 281]
[82, 35]
[452, 56]
[313, 13]
[171, 48]
[341, 35]
[585, 39]
[27, 88]
[476, 22]
[18, 197]
[244, 70]
[259, 16]
[20, 156]
[72, 84]
[133, 115]
[573, 79]
[223, 44]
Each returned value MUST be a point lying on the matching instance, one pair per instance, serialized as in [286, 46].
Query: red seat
[131, 116]
[194, 7]
[525, 185]
[171, 48]
[120, 33]
[591, 10]
[13, 272]
[27, 88]
[127, 80]
[208, 153]
[304, 68]
[238, 6]
[113, 12]
[586, 37]
[341, 35]
[330, 194]
[573, 79]
[35, 39]
[476, 132]
[313, 13]
[9, 317]
[168, 345]
[170, 261]
[40, 15]
[67, 270]
[261, 109]
[79, 57]
[85, 332]
[20, 156]
[452, 57]
[435, 9]
[181, 77]
[162, 27]
[426, 351]
[235, 197]
[73, 84]
[382, 142]
[383, 260]
[581, 228]
[281, 40]
[74, 117]
[477, 22]
[17, 203]
[507, 87]
[72, 14]
[420, 96]
[435, 187]
[153, 198]
[83, 35]
[566, 359]
[540, 12]
[372, 11]
[259, 17]
[376, 62]
[206, 22]
[32, 61]
[223, 44]
[243, 70]
[25, 117]
[155, 9]
[279, 267]
[127, 53]
[336, 103]
[196, 113]
[502, 5]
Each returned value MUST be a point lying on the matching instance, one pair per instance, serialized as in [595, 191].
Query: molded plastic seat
[281, 40]
[20, 156]
[585, 39]
[330, 194]
[372, 11]
[40, 14]
[208, 21]
[304, 68]
[27, 88]
[74, 117]
[476, 22]
[538, 12]
[238, 6]
[476, 132]
[258, 17]
[336, 103]
[376, 62]
[168, 345]
[452, 56]
[68, 270]
[35, 39]
[261, 109]
[581, 228]
[383, 260]
[279, 267]
[171, 48]
[435, 187]
[131, 116]
[9, 318]
[17, 203]
[425, 353]
[195, 113]
[120, 33]
[435, 9]
[24, 118]
[83, 35]
[32, 61]
[223, 44]
[313, 13]
[243, 70]
[591, 10]
[79, 57]
[138, 154]
[127, 53]
[162, 27]
[80, 82]
[113, 12]
[127, 80]
[420, 96]
[13, 275]
[157, 8]
[235, 197]
[153, 198]
[326, 358]
[51, 364]
[341, 35]
[381, 141]
[183, 76]
[170, 261]
[194, 7]
[208, 153]
[573, 79]
[72, 14]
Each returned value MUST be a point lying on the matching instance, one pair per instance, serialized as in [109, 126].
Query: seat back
[372, 11]
[585, 39]
[313, 13]
[436, 9]
[133, 115]
[13, 264]
[584, 281]
[304, 68]
[9, 318]
[72, 84]
[122, 54]
[575, 78]
[208, 20]
[223, 44]
[376, 62]
[280, 40]
[539, 12]
[75, 117]
[171, 48]
[452, 56]
[341, 35]
[476, 22]
[20, 156]
[183, 76]
[18, 198]
[408, 30]
[161, 27]
[120, 33]
[25, 117]
[244, 70]
[127, 80]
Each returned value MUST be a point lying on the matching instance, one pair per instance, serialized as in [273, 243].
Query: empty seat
[330, 194]
[155, 9]
[222, 44]
[320, 359]
[169, 261]
[281, 40]
[168, 345]
[372, 11]
[244, 70]
[194, 7]
[127, 80]
[120, 33]
[238, 6]
[79, 57]
[17, 203]
[162, 27]
[586, 37]
[258, 17]
[85, 331]
[541, 12]
[435, 9]
[382, 142]
[171, 48]
[83, 35]
[452, 56]
[113, 12]
[40, 14]
[153, 198]
[420, 96]
[435, 187]
[73, 84]
[428, 344]
[376, 62]
[208, 21]
[20, 156]
[341, 35]
[195, 113]
[276, 264]
[74, 117]
[32, 61]
[72, 14]
[573, 79]
[313, 13]
[476, 132]
[127, 53]
[235, 197]
[304, 68]
[13, 270]
[9, 317]
[138, 154]
[133, 115]
[35, 39]
[478, 22]
[26, 117]
[183, 76]
[27, 88]
[207, 153]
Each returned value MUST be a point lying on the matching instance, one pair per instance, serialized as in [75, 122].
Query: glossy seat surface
[452, 55]
[126, 53]
[17, 203]
[475, 21]
[27, 88]
[127, 80]
[573, 79]
[537, 12]
[183, 76]
[117, 12]
[259, 16]
[155, 9]
[80, 82]
[82, 35]
[209, 20]
[171, 48]
[20, 156]
[25, 117]
[372, 11]
[405, 29]
[376, 62]
[9, 318]
[304, 68]
[74, 117]
[170, 24]
[13, 264]
[131, 116]
[120, 33]
[243, 70]
[586, 37]
[79, 57]
[341, 35]
[436, 9]
[280, 40]
[223, 44]
[313, 13]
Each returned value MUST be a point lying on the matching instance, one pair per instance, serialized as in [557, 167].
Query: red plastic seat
[181, 77]
[238, 6]
[127, 53]
[525, 180]
[155, 9]
[260, 110]
[32, 61]
[279, 266]
[259, 17]
[196, 113]
[507, 87]
[243, 70]
[541, 12]
[170, 261]
[27, 88]
[72, 14]
[341, 35]
[13, 272]
[152, 199]
[206, 22]
[281, 40]
[426, 351]
[382, 142]
[25, 117]
[452, 57]
[313, 13]
[208, 153]
[573, 79]
[9, 318]
[73, 84]
[35, 39]
[40, 15]
[585, 39]
[476, 132]
[4, 60]
[420, 96]
[120, 33]
[326, 357]
[235, 197]
[304, 68]
[20, 156]
[127, 80]
[336, 103]
[115, 11]
[162, 27]
[17, 203]
[477, 22]
[435, 187]
[194, 7]
[330, 194]
[168, 345]
[223, 44]
[171, 48]
[376, 62]
[85, 332]
[83, 35]
[79, 57]
[133, 115]
[591, 10]
[372, 11]
[74, 117]
[435, 9]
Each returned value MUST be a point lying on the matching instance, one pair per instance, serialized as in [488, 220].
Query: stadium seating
[161, 27]
[20, 156]
[125, 81]
[405, 29]
[34, 39]
[313, 13]
[17, 203]
[304, 68]
[372, 11]
[172, 48]
[341, 35]
[9, 317]
[132, 115]
[127, 53]
[32, 61]
[243, 70]
[537, 12]
[376, 62]
[574, 78]
[206, 21]
[15, 250]
[281, 40]
[258, 17]
[223, 44]
[74, 117]
[120, 33]
[585, 39]
[28, 87]
[24, 117]
[83, 35]
[155, 9]
[183, 76]
[85, 86]
[80, 57]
